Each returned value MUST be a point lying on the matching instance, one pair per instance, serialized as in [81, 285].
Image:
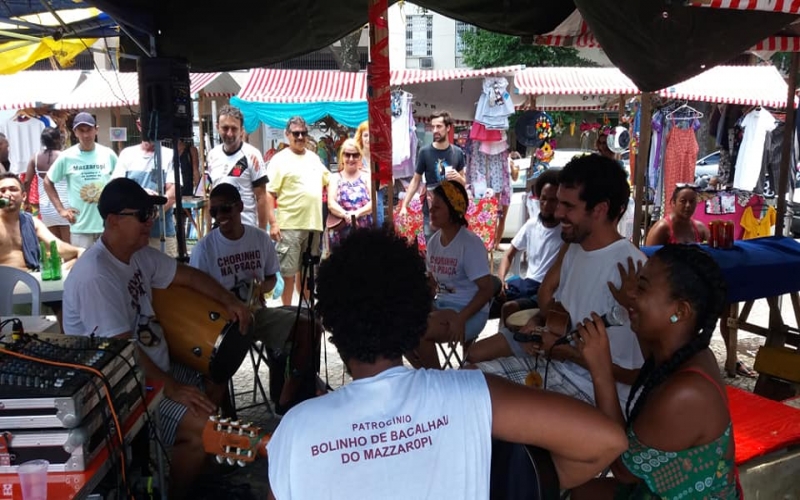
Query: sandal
[744, 371]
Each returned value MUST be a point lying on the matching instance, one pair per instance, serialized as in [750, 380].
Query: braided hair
[696, 278]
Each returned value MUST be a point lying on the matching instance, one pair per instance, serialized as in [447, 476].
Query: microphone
[614, 317]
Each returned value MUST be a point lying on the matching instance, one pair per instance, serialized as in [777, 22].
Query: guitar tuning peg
[240, 463]
[230, 461]
[219, 459]
[213, 418]
[224, 420]
[235, 423]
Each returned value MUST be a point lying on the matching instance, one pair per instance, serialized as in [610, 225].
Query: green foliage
[486, 49]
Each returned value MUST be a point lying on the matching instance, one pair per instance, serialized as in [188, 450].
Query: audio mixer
[35, 395]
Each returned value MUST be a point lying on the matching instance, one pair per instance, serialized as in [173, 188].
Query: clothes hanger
[685, 107]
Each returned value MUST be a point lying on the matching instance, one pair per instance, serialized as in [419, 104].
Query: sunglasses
[221, 209]
[299, 133]
[682, 185]
[351, 155]
[143, 214]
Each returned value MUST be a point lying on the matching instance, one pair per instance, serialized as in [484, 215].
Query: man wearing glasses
[108, 293]
[237, 162]
[297, 178]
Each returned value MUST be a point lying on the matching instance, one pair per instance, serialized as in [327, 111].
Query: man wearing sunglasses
[297, 178]
[237, 162]
[240, 257]
[108, 293]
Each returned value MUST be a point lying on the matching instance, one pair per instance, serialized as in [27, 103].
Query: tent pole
[645, 130]
[201, 153]
[786, 147]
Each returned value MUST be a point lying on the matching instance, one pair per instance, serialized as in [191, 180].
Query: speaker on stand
[165, 101]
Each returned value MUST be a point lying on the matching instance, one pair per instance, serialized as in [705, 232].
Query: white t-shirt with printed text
[541, 244]
[236, 264]
[107, 297]
[402, 434]
[457, 265]
[244, 170]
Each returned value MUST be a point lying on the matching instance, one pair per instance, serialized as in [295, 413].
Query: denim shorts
[475, 324]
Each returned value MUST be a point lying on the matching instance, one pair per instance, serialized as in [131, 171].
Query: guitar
[518, 472]
[557, 322]
[234, 442]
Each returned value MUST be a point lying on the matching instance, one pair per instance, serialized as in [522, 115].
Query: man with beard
[540, 238]
[438, 161]
[297, 178]
[596, 272]
[238, 163]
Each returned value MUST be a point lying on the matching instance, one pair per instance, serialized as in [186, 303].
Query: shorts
[171, 412]
[517, 368]
[84, 240]
[170, 245]
[292, 245]
[522, 288]
[272, 326]
[475, 324]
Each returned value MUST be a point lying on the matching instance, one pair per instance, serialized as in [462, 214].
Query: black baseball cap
[123, 193]
[83, 118]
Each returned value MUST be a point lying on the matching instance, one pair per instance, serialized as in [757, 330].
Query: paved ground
[333, 371]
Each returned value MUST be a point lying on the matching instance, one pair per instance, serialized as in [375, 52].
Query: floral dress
[351, 195]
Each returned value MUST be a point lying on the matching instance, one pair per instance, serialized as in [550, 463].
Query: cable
[89, 369]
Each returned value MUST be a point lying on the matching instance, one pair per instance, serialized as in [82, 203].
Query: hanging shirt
[24, 140]
[748, 162]
[757, 228]
[494, 104]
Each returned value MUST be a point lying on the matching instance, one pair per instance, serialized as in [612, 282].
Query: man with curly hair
[87, 167]
[430, 431]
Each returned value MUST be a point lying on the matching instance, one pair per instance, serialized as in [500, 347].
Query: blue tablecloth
[758, 268]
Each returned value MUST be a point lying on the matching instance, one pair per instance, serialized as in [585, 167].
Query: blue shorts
[475, 324]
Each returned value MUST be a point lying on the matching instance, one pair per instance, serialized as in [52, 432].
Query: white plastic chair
[9, 277]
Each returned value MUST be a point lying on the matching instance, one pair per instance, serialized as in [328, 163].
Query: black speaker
[165, 98]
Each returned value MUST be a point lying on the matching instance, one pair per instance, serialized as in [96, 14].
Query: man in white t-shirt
[429, 431]
[138, 163]
[540, 239]
[108, 293]
[297, 178]
[87, 167]
[237, 162]
[592, 194]
[241, 257]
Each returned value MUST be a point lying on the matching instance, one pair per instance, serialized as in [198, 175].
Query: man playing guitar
[399, 433]
[589, 276]
[240, 257]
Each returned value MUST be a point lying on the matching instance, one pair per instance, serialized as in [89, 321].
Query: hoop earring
[673, 318]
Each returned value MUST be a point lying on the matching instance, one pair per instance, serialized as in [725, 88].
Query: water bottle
[4, 202]
[45, 264]
[55, 259]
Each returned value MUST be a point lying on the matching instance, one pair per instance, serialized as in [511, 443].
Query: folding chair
[259, 355]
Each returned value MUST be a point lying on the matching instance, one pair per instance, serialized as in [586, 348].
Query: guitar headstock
[233, 441]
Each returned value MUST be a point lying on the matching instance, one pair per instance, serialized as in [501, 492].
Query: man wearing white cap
[87, 167]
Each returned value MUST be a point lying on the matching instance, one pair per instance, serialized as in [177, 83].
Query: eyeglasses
[351, 155]
[683, 185]
[221, 209]
[299, 133]
[143, 214]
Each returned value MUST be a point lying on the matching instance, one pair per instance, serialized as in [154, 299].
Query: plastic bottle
[55, 259]
[4, 202]
[45, 264]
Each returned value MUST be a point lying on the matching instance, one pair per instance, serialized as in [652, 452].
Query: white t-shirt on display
[457, 266]
[236, 264]
[402, 434]
[583, 289]
[244, 170]
[541, 244]
[748, 163]
[107, 297]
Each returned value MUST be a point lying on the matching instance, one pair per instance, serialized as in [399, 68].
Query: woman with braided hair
[680, 439]
[459, 273]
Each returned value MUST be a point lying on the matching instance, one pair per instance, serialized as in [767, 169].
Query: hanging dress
[47, 212]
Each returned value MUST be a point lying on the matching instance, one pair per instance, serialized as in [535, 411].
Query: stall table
[754, 269]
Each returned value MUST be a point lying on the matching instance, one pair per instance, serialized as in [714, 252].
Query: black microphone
[614, 317]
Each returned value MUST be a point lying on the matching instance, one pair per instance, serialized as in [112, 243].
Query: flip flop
[744, 371]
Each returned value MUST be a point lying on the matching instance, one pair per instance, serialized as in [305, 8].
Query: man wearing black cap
[108, 293]
[87, 166]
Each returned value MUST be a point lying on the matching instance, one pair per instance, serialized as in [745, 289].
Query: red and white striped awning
[298, 86]
[572, 32]
[414, 76]
[33, 89]
[112, 89]
[785, 6]
[745, 85]
[574, 81]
